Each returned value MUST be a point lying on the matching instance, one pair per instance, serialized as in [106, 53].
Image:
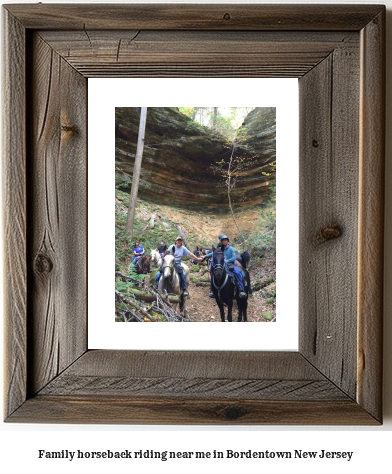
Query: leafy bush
[263, 239]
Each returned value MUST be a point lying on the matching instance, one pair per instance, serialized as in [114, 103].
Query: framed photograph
[337, 53]
[177, 165]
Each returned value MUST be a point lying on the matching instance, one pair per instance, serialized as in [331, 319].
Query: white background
[103, 332]
[19, 443]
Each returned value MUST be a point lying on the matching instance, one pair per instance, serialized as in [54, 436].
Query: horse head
[218, 264]
[167, 263]
[154, 255]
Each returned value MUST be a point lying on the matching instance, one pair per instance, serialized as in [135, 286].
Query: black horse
[225, 290]
[198, 253]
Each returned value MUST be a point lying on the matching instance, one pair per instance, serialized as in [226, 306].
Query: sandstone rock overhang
[179, 158]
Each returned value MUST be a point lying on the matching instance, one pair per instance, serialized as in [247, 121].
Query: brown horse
[143, 265]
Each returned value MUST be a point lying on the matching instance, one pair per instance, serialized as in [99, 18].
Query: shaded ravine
[179, 156]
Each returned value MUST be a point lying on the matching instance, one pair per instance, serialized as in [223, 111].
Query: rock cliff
[179, 157]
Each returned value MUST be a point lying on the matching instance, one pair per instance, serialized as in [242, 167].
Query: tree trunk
[136, 171]
[214, 117]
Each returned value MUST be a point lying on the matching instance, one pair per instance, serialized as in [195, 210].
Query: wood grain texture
[14, 209]
[210, 364]
[178, 53]
[66, 409]
[328, 216]
[371, 216]
[194, 17]
[206, 374]
[57, 215]
[335, 378]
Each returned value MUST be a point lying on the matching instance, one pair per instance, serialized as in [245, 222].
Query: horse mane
[168, 254]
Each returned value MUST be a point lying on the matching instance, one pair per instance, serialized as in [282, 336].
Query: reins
[218, 265]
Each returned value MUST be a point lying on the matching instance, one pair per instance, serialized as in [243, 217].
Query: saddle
[178, 269]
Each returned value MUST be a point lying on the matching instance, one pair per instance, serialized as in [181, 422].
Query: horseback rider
[178, 250]
[162, 249]
[229, 254]
[138, 251]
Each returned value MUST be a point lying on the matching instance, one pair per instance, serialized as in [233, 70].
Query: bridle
[218, 266]
[173, 275]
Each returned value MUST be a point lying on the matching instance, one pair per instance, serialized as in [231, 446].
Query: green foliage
[268, 316]
[149, 238]
[263, 238]
[224, 122]
[132, 272]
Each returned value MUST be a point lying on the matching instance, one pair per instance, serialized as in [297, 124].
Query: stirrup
[185, 293]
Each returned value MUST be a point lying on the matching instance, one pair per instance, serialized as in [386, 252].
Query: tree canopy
[224, 120]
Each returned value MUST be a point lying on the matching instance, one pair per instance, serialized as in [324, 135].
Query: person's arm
[188, 252]
[194, 256]
[209, 255]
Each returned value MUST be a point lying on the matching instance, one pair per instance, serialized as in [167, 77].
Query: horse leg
[245, 310]
[229, 311]
[221, 309]
[239, 314]
[242, 310]
[183, 306]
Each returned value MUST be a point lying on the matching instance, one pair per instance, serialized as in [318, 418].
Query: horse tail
[245, 258]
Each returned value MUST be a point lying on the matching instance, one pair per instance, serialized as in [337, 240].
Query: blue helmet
[224, 237]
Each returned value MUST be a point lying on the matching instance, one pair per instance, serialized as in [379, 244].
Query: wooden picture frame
[337, 52]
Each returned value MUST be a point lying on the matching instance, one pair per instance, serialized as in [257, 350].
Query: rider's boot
[211, 294]
[240, 288]
[157, 280]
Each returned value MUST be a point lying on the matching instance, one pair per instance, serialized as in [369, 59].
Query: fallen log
[144, 296]
[141, 295]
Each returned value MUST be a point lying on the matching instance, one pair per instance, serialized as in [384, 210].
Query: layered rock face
[180, 157]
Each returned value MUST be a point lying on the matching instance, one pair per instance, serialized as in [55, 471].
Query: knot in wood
[69, 129]
[227, 16]
[43, 264]
[232, 413]
[315, 143]
[328, 233]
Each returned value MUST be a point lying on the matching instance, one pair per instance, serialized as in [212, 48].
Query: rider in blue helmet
[229, 254]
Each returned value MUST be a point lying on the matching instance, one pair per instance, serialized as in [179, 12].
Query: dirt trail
[201, 308]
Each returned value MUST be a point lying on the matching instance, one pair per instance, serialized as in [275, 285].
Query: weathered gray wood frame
[337, 52]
